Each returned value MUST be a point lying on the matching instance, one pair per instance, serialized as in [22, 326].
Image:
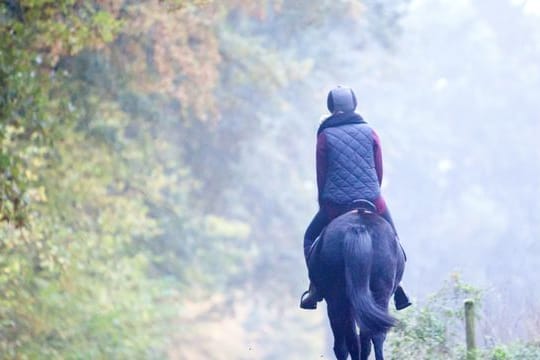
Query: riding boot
[401, 299]
[310, 298]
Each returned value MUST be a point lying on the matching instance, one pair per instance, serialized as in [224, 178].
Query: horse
[357, 264]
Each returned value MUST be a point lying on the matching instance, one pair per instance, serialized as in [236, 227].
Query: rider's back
[351, 174]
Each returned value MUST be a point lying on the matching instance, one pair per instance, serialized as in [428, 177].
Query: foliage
[154, 160]
[76, 266]
[434, 330]
[107, 199]
[513, 351]
[36, 35]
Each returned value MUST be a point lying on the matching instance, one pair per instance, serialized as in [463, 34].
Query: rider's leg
[320, 220]
[386, 216]
[312, 296]
[401, 299]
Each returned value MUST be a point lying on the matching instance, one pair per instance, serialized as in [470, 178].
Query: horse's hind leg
[365, 345]
[338, 322]
[378, 343]
[351, 338]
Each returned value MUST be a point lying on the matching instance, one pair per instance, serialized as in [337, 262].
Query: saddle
[364, 206]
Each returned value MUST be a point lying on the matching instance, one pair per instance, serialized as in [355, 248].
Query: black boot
[310, 298]
[401, 299]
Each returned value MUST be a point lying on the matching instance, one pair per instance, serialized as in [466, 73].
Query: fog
[455, 102]
[157, 172]
[453, 94]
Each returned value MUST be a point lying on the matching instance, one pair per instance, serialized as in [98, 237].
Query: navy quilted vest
[351, 173]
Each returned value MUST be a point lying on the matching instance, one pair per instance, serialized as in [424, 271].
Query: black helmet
[341, 99]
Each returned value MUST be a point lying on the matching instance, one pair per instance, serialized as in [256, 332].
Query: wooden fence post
[469, 329]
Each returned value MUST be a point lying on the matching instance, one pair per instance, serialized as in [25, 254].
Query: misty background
[158, 168]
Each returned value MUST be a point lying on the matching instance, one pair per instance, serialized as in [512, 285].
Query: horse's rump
[325, 258]
[358, 257]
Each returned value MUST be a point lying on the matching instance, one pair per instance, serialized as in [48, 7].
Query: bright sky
[530, 7]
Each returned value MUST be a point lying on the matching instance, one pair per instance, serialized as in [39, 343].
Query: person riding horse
[349, 169]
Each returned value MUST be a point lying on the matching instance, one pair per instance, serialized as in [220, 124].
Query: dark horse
[357, 264]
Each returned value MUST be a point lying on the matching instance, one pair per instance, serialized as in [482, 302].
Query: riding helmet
[341, 99]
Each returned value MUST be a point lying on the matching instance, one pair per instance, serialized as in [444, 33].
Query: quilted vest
[351, 173]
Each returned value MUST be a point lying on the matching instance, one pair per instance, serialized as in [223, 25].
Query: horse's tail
[358, 254]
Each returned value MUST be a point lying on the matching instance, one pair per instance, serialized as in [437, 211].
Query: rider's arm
[377, 153]
[321, 162]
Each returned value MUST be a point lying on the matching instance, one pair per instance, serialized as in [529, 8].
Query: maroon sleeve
[321, 163]
[377, 153]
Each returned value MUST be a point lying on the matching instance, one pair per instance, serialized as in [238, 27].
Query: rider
[349, 168]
